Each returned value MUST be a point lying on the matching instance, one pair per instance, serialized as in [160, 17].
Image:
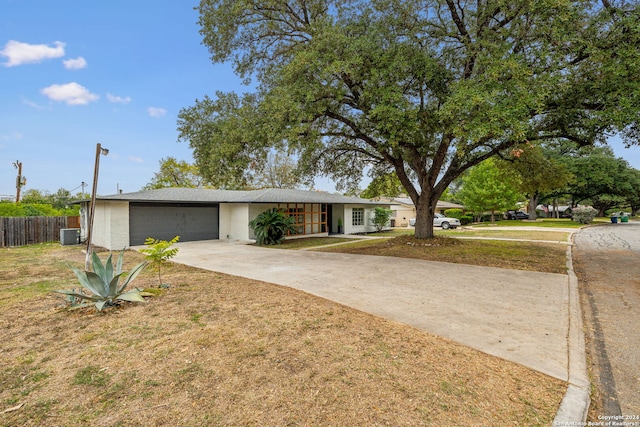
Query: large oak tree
[425, 89]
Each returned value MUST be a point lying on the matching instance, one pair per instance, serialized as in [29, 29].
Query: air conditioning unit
[69, 236]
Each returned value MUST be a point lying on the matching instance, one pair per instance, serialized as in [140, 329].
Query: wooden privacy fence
[21, 231]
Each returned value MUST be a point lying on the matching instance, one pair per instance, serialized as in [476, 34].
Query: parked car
[516, 215]
[440, 221]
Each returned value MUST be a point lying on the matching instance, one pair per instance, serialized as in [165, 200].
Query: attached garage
[164, 221]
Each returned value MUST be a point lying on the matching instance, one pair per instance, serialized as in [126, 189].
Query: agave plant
[103, 284]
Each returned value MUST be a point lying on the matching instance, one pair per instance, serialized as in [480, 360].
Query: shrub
[271, 226]
[466, 219]
[584, 214]
[454, 213]
[487, 217]
[159, 252]
[103, 284]
[381, 218]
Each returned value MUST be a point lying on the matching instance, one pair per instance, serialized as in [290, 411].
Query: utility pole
[20, 180]
[92, 206]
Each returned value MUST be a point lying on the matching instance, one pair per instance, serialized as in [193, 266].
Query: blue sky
[74, 73]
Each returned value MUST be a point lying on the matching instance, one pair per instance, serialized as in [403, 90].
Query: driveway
[516, 315]
[607, 264]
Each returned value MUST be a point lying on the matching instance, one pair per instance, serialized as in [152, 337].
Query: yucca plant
[271, 226]
[103, 284]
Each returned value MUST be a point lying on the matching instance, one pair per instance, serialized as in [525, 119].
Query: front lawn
[219, 350]
[540, 222]
[544, 257]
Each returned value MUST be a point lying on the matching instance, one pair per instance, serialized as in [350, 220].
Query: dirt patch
[221, 350]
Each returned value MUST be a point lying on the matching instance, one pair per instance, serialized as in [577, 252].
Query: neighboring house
[124, 220]
[404, 209]
[564, 211]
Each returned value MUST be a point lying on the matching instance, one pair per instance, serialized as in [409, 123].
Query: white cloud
[12, 136]
[136, 159]
[71, 93]
[75, 64]
[156, 112]
[32, 104]
[118, 99]
[19, 53]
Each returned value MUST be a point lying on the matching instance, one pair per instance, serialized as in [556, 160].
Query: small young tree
[486, 187]
[381, 218]
[159, 252]
[271, 226]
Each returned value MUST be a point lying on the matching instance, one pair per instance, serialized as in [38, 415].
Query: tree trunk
[533, 202]
[425, 210]
[493, 216]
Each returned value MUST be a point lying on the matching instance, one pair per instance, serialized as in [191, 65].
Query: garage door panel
[164, 222]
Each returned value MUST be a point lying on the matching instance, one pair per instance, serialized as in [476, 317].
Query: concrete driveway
[520, 316]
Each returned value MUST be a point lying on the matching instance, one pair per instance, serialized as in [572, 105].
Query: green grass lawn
[540, 222]
[479, 230]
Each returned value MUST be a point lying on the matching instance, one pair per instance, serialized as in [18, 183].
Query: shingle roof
[266, 195]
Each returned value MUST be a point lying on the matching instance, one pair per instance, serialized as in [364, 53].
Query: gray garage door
[165, 221]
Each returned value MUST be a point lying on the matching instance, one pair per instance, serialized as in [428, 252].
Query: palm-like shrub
[103, 284]
[271, 226]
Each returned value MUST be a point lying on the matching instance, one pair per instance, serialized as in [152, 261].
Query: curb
[575, 404]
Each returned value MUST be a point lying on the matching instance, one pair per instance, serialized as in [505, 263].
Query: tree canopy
[384, 185]
[424, 89]
[538, 171]
[600, 178]
[175, 173]
[277, 171]
[487, 187]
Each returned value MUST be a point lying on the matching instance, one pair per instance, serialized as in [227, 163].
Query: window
[310, 218]
[357, 216]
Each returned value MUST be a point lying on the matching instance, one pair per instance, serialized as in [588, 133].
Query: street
[607, 263]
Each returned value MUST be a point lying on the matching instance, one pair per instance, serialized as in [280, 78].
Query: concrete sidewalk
[520, 316]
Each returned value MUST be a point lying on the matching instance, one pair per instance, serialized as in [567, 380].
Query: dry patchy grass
[550, 258]
[308, 242]
[218, 350]
[503, 233]
[506, 233]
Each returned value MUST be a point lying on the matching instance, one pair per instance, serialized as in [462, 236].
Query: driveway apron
[516, 315]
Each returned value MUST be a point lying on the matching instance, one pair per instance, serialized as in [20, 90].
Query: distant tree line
[41, 203]
[552, 174]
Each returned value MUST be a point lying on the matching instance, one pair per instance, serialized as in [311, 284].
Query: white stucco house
[124, 220]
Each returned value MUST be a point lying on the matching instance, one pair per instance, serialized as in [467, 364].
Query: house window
[310, 218]
[357, 216]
